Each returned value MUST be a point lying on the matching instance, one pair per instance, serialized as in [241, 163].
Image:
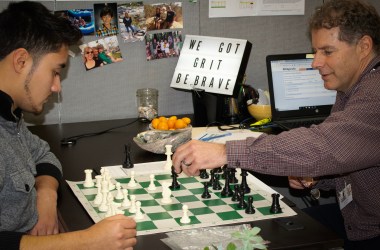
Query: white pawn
[103, 206]
[132, 209]
[119, 194]
[126, 203]
[152, 187]
[99, 196]
[185, 218]
[139, 215]
[88, 182]
[98, 180]
[111, 208]
[166, 193]
[111, 186]
[169, 163]
[132, 182]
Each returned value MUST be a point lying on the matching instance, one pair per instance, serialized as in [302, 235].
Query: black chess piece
[275, 208]
[244, 185]
[216, 184]
[250, 209]
[175, 184]
[227, 192]
[225, 172]
[203, 174]
[232, 176]
[212, 179]
[128, 161]
[206, 194]
[242, 204]
[218, 170]
[236, 195]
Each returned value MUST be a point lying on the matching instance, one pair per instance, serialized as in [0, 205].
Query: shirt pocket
[23, 181]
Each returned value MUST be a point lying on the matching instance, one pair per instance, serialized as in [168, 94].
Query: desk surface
[108, 149]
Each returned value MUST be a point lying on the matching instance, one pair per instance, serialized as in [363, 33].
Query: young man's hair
[106, 11]
[354, 18]
[30, 25]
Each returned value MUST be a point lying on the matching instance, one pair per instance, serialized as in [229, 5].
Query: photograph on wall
[163, 45]
[106, 21]
[81, 18]
[101, 52]
[132, 25]
[164, 16]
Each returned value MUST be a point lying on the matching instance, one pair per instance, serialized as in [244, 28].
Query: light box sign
[212, 64]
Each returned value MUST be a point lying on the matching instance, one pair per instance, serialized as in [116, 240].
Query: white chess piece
[98, 180]
[132, 209]
[111, 186]
[88, 182]
[110, 204]
[132, 182]
[103, 206]
[169, 163]
[126, 203]
[139, 215]
[166, 193]
[185, 217]
[99, 197]
[152, 187]
[119, 194]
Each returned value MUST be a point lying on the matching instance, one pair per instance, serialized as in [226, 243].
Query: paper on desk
[217, 136]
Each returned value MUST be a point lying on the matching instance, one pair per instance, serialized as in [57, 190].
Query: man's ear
[20, 59]
[365, 45]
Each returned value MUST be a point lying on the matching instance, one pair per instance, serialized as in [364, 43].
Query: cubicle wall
[110, 92]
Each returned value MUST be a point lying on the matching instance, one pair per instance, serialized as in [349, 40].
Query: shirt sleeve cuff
[10, 240]
[49, 169]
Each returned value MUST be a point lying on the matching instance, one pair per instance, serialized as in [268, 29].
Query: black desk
[108, 149]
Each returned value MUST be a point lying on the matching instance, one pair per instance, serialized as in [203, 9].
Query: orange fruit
[173, 117]
[163, 126]
[187, 120]
[155, 122]
[162, 119]
[171, 124]
[179, 123]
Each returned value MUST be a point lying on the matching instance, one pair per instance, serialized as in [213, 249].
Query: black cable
[72, 140]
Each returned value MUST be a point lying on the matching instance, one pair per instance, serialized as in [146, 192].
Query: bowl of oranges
[164, 131]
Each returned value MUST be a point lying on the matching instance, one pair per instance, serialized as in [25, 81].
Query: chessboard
[158, 217]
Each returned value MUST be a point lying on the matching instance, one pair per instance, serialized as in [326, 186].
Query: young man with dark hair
[107, 28]
[342, 153]
[33, 51]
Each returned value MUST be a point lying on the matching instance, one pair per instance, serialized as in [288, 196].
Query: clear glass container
[147, 104]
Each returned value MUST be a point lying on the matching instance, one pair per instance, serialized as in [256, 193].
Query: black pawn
[227, 192]
[203, 174]
[244, 185]
[225, 172]
[206, 194]
[128, 162]
[242, 203]
[250, 208]
[212, 179]
[232, 176]
[236, 196]
[275, 208]
[216, 184]
[218, 170]
[175, 184]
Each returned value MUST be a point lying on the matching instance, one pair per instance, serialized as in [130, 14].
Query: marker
[261, 122]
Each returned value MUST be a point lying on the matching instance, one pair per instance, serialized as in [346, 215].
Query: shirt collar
[6, 103]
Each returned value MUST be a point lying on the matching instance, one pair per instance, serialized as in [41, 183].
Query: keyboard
[287, 125]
